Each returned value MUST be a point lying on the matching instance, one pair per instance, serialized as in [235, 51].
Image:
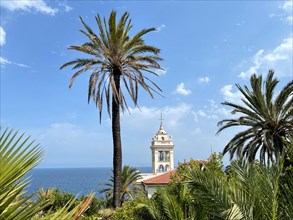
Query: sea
[78, 181]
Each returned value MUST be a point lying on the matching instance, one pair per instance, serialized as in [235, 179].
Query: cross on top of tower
[161, 119]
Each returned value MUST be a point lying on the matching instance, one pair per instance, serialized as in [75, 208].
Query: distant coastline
[78, 181]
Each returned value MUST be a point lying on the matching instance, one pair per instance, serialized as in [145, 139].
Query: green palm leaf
[17, 157]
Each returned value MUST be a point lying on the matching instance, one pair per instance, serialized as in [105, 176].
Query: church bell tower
[162, 151]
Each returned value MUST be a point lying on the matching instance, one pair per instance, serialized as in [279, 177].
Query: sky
[207, 47]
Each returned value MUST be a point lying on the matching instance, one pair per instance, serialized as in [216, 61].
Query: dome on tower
[162, 151]
[162, 136]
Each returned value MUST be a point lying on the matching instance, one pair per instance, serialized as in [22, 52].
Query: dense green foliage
[117, 63]
[130, 210]
[203, 190]
[57, 199]
[266, 116]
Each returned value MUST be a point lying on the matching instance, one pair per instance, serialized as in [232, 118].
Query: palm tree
[129, 177]
[18, 155]
[253, 191]
[268, 120]
[115, 59]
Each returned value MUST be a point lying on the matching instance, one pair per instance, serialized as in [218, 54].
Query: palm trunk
[117, 146]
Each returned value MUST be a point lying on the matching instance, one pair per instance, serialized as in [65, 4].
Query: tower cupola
[162, 147]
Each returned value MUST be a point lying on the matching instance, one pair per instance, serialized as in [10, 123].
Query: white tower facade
[162, 152]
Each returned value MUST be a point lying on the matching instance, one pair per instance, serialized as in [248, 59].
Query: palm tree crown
[269, 120]
[114, 54]
[129, 177]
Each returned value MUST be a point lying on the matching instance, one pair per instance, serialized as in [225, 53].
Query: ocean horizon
[78, 181]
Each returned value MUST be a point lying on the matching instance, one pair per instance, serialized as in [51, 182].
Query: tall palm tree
[115, 59]
[268, 120]
[129, 177]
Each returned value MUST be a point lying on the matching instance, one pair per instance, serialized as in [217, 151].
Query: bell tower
[162, 151]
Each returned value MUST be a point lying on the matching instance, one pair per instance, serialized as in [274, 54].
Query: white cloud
[161, 72]
[147, 115]
[229, 95]
[203, 114]
[279, 59]
[212, 111]
[256, 65]
[161, 27]
[4, 62]
[2, 36]
[27, 5]
[215, 109]
[66, 7]
[286, 14]
[180, 89]
[21, 65]
[287, 7]
[213, 104]
[240, 23]
[176, 113]
[204, 79]
[223, 111]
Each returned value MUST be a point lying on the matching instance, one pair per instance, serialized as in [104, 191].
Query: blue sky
[207, 47]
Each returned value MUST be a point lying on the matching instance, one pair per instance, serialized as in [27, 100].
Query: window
[161, 156]
[161, 168]
[167, 168]
[167, 156]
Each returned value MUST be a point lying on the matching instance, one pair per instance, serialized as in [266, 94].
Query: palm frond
[267, 121]
[18, 155]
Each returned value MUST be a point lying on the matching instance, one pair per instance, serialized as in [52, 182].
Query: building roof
[162, 179]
